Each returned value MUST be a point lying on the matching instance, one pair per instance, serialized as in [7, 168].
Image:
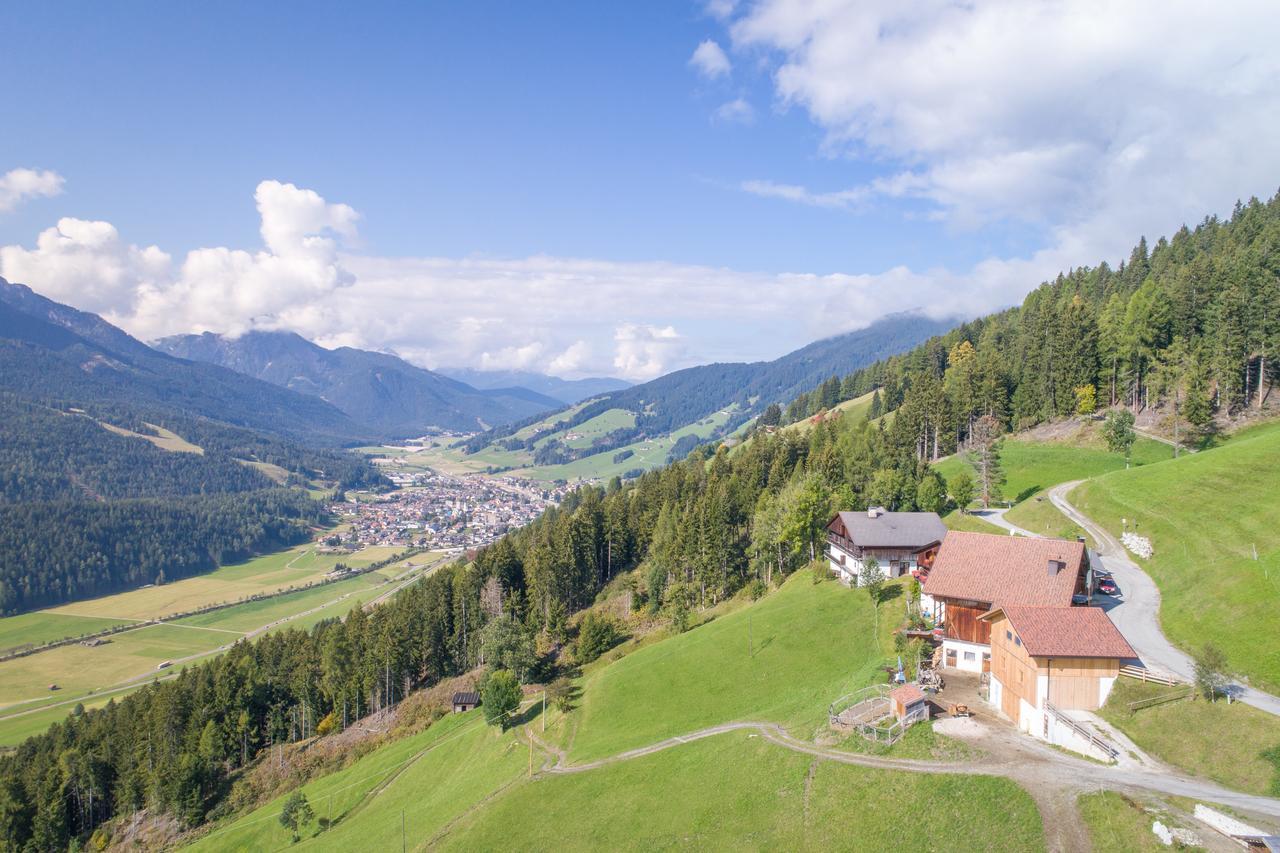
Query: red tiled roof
[907, 694]
[1005, 569]
[1066, 632]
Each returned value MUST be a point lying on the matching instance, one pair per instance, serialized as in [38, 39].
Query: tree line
[1188, 327]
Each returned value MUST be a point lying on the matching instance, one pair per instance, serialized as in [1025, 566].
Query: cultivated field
[46, 627]
[131, 657]
[1207, 515]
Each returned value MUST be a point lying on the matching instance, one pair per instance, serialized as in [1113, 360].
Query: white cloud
[737, 111]
[18, 185]
[1097, 121]
[85, 264]
[710, 60]
[572, 361]
[644, 351]
[721, 9]
[792, 192]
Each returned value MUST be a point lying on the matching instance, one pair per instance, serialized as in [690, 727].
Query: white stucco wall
[1104, 689]
[978, 649]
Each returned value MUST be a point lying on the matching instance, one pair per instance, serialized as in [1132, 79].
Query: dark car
[1108, 586]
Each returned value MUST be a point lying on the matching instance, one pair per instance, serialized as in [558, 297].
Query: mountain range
[651, 423]
[567, 391]
[395, 398]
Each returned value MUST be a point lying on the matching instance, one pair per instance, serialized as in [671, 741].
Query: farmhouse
[974, 572]
[899, 542]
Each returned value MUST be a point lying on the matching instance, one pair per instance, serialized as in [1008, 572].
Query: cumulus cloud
[86, 264]
[737, 111]
[644, 351]
[1096, 121]
[710, 60]
[18, 185]
[796, 193]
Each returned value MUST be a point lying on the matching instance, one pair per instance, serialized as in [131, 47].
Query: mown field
[463, 785]
[45, 627]
[1206, 515]
[1220, 741]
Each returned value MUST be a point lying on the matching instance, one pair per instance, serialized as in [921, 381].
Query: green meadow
[1207, 515]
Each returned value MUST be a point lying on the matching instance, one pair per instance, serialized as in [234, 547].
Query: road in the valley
[1136, 611]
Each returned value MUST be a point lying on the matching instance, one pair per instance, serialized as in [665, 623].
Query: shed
[908, 701]
[465, 701]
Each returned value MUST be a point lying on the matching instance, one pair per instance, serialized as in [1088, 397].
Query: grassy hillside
[739, 791]
[1206, 514]
[463, 785]
[810, 643]
[1214, 739]
[1031, 466]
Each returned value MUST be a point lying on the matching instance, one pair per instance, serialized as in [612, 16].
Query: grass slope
[1031, 466]
[1117, 824]
[1212, 739]
[463, 785]
[811, 643]
[737, 791]
[1205, 514]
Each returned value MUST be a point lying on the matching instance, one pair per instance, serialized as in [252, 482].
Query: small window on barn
[970, 656]
[1017, 641]
[1008, 635]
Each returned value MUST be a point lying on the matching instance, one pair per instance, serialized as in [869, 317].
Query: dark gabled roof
[1001, 570]
[1065, 632]
[465, 698]
[893, 529]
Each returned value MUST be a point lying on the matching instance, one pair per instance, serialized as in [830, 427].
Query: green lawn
[740, 792]
[1117, 824]
[45, 627]
[1205, 514]
[1031, 466]
[812, 643]
[599, 426]
[1212, 739]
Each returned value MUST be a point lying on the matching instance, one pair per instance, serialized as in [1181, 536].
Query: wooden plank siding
[1074, 683]
[1010, 663]
[961, 621]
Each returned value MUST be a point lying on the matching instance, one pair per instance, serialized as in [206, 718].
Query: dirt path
[1137, 611]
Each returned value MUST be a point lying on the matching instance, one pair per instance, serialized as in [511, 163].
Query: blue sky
[570, 160]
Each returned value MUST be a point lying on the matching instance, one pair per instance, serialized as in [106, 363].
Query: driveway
[1136, 611]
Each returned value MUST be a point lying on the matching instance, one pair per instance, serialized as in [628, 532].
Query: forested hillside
[684, 397]
[395, 398]
[90, 500]
[1189, 326]
[50, 351]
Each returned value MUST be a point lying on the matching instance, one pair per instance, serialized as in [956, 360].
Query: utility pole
[403, 844]
[544, 690]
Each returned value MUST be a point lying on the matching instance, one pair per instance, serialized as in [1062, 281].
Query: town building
[899, 542]
[973, 573]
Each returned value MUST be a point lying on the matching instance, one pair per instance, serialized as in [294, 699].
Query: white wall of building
[968, 655]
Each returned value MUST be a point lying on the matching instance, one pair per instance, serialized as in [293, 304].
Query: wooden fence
[1141, 673]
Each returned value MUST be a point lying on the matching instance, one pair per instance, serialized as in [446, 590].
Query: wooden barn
[465, 701]
[1052, 659]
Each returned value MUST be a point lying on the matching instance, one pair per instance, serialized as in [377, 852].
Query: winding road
[1137, 611]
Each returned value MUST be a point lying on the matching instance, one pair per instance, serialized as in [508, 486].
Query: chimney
[1056, 566]
[874, 511]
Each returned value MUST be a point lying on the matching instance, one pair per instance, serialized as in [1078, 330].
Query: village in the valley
[441, 511]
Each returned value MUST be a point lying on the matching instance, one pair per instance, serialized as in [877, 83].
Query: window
[1008, 635]
[1017, 641]
[970, 656]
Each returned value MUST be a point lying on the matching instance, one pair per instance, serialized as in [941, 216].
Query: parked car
[1108, 586]
[1079, 600]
